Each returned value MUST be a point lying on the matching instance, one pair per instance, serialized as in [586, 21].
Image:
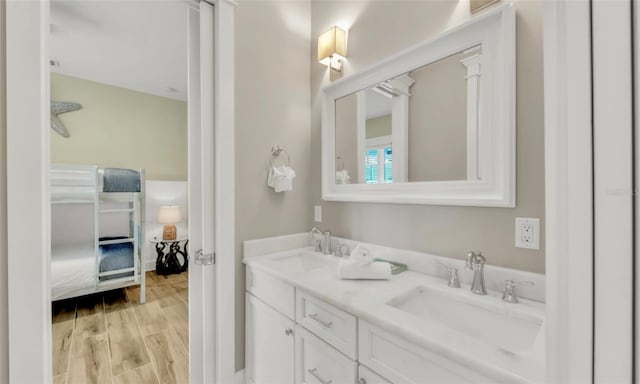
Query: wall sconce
[332, 48]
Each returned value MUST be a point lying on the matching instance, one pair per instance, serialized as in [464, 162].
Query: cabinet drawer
[403, 362]
[272, 291]
[367, 376]
[318, 363]
[333, 325]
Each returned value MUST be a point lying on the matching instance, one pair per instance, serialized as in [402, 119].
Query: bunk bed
[97, 230]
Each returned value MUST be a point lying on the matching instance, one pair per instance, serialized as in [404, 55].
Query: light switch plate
[527, 233]
[317, 214]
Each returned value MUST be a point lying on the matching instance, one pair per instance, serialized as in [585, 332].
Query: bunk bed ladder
[96, 228]
[141, 236]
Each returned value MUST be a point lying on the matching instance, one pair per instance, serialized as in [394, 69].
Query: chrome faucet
[317, 243]
[320, 247]
[475, 262]
[326, 249]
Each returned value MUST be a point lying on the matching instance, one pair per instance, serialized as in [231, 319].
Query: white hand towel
[361, 255]
[350, 270]
[342, 177]
[281, 178]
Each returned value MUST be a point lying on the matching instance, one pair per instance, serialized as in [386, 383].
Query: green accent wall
[118, 127]
[378, 126]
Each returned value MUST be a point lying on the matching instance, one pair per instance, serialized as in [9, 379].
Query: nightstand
[172, 256]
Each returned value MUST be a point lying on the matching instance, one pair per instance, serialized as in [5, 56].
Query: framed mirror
[434, 124]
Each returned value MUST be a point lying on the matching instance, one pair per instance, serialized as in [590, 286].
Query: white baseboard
[150, 265]
[240, 377]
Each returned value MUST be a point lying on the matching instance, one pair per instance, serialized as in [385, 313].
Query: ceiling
[139, 45]
[377, 105]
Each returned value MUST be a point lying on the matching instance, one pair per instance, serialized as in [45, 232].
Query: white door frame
[568, 196]
[589, 191]
[28, 213]
[613, 190]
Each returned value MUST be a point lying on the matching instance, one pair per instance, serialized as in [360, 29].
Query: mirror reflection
[417, 127]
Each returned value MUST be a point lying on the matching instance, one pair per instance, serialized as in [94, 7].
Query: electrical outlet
[527, 233]
[317, 213]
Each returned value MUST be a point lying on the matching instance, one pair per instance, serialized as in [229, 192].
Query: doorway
[28, 134]
[119, 283]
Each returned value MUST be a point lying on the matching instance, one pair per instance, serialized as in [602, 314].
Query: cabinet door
[269, 344]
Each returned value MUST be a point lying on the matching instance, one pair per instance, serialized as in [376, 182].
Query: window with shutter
[378, 161]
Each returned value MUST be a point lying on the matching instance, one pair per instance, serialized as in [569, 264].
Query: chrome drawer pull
[320, 379]
[325, 323]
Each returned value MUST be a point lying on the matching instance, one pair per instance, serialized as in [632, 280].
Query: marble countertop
[368, 300]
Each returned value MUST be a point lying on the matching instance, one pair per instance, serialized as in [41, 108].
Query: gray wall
[272, 94]
[438, 122]
[4, 330]
[447, 231]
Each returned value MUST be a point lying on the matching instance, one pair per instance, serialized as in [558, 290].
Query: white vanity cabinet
[293, 336]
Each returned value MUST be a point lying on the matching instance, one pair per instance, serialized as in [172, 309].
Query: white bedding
[73, 269]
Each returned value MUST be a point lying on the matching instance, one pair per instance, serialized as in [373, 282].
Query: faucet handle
[342, 249]
[509, 294]
[473, 259]
[453, 282]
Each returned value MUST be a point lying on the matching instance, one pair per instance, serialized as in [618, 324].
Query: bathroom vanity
[304, 325]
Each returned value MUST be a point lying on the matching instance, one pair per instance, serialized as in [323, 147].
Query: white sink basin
[302, 261]
[508, 328]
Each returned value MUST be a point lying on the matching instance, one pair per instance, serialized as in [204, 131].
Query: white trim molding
[568, 197]
[473, 65]
[28, 207]
[493, 181]
[613, 217]
[224, 99]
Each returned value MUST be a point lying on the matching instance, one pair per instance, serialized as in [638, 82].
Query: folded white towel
[342, 177]
[281, 178]
[350, 270]
[361, 255]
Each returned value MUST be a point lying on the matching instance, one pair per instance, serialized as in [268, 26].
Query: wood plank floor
[111, 338]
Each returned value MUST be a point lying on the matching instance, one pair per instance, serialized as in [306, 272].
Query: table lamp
[170, 216]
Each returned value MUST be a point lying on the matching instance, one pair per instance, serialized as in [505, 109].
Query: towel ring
[276, 151]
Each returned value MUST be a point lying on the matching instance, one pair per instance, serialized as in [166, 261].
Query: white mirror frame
[495, 185]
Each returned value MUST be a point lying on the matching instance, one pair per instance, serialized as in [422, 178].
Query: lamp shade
[169, 214]
[333, 42]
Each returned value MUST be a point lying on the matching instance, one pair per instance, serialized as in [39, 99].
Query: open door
[202, 275]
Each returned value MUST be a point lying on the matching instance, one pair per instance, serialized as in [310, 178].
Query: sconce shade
[169, 214]
[332, 43]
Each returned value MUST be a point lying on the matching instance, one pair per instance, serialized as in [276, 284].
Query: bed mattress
[73, 270]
